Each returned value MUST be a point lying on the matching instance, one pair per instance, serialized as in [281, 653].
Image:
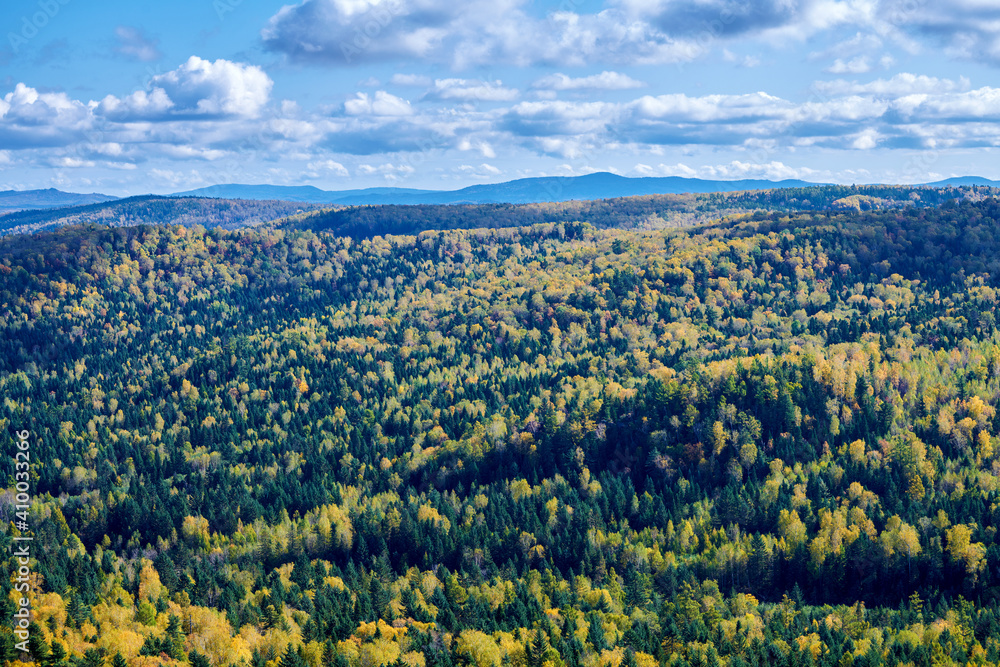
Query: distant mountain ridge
[154, 210]
[601, 185]
[964, 180]
[21, 200]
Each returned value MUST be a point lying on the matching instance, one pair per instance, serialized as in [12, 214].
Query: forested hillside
[639, 212]
[767, 441]
[153, 210]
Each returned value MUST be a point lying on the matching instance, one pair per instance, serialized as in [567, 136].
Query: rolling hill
[20, 200]
[522, 191]
[153, 210]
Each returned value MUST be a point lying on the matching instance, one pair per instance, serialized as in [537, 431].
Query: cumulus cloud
[198, 88]
[216, 88]
[711, 108]
[604, 81]
[32, 119]
[135, 44]
[221, 111]
[559, 118]
[865, 140]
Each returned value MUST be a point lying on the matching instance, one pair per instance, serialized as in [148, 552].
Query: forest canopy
[769, 440]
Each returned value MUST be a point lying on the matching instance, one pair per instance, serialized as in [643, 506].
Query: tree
[292, 658]
[534, 649]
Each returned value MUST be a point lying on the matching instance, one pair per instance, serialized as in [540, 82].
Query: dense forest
[770, 440]
[153, 210]
[640, 212]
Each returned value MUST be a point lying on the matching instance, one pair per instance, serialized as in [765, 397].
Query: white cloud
[471, 91]
[899, 85]
[328, 165]
[980, 105]
[559, 118]
[185, 152]
[865, 140]
[484, 148]
[72, 162]
[679, 169]
[711, 108]
[484, 170]
[464, 34]
[32, 119]
[198, 88]
[490, 32]
[858, 65]
[381, 104]
[216, 88]
[966, 28]
[391, 172]
[604, 81]
[773, 171]
[138, 105]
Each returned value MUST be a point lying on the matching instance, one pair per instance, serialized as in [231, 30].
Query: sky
[125, 97]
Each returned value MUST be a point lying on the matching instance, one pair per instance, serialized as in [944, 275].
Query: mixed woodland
[644, 212]
[641, 212]
[768, 440]
[153, 210]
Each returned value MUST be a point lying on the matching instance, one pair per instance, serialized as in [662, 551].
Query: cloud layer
[508, 81]
[209, 110]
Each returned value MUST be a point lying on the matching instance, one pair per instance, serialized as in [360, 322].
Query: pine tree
[292, 658]
[596, 633]
[534, 649]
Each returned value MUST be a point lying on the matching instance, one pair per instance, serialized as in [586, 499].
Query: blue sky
[132, 97]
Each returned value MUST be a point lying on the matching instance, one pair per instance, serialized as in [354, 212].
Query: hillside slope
[153, 210]
[19, 200]
[636, 212]
[764, 441]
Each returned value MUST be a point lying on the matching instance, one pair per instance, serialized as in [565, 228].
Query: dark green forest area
[769, 440]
